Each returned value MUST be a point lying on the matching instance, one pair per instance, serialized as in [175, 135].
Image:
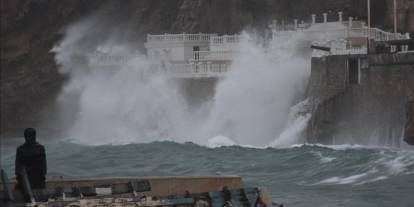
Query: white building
[191, 55]
[209, 55]
[341, 37]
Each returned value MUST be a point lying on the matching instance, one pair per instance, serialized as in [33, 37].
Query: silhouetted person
[31, 156]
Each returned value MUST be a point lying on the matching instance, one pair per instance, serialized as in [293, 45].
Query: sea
[297, 176]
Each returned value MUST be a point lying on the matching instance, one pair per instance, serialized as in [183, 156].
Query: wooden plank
[159, 186]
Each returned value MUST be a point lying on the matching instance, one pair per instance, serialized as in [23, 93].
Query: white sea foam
[220, 141]
[390, 164]
[343, 180]
[324, 159]
[372, 180]
[402, 162]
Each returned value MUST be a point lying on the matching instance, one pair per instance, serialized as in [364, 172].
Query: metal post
[369, 18]
[395, 17]
[369, 26]
[325, 17]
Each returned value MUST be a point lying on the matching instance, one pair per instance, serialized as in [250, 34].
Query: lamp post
[369, 17]
[395, 17]
[369, 26]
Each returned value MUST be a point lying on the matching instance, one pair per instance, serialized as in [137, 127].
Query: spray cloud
[121, 103]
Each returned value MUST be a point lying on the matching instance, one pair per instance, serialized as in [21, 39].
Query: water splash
[299, 117]
[119, 103]
[251, 105]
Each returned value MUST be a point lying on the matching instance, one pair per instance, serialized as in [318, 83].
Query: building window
[353, 70]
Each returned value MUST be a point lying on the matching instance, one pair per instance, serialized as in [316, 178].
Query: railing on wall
[376, 34]
[349, 51]
[373, 33]
[225, 39]
[180, 37]
[197, 70]
[212, 55]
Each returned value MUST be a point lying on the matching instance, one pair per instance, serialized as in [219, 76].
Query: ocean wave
[342, 147]
[343, 180]
[372, 180]
[400, 162]
[220, 141]
[324, 159]
[379, 165]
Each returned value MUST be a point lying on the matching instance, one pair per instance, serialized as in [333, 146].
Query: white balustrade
[372, 33]
[349, 51]
[180, 37]
[225, 39]
[197, 70]
[213, 55]
[222, 49]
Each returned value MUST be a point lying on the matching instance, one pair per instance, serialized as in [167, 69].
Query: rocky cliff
[30, 80]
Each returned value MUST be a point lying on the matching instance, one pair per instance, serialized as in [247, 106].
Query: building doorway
[353, 71]
[196, 52]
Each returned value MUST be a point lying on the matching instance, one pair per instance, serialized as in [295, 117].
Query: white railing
[107, 59]
[197, 70]
[349, 51]
[180, 37]
[225, 39]
[380, 35]
[376, 34]
[213, 55]
[372, 33]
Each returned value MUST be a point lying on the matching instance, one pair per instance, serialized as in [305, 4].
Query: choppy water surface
[303, 175]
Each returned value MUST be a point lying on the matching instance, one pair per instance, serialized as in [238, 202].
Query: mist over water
[114, 97]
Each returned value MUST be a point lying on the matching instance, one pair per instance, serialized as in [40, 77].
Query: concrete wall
[409, 126]
[371, 112]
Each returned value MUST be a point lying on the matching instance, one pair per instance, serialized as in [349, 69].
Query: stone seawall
[409, 126]
[369, 111]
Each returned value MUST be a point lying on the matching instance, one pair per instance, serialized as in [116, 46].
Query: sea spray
[115, 101]
[298, 119]
[252, 103]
